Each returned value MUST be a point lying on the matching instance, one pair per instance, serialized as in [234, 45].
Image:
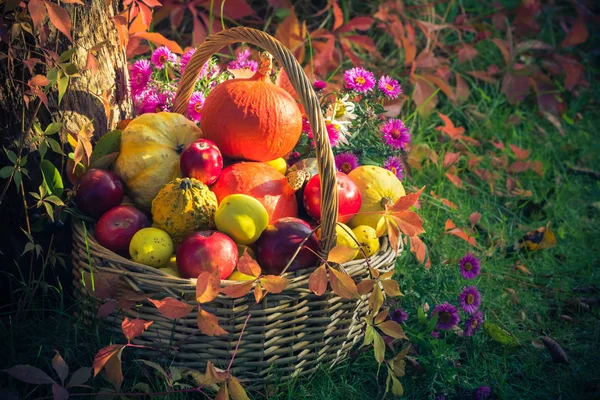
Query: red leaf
[405, 202]
[73, 2]
[422, 96]
[146, 14]
[172, 308]
[426, 60]
[577, 35]
[133, 328]
[274, 284]
[160, 40]
[152, 3]
[358, 23]
[519, 166]
[462, 89]
[409, 223]
[39, 80]
[60, 366]
[456, 181]
[538, 168]
[237, 290]
[292, 34]
[503, 46]
[234, 9]
[419, 249]
[106, 309]
[338, 15]
[247, 265]
[451, 229]
[208, 286]
[29, 374]
[466, 53]
[474, 218]
[515, 87]
[449, 128]
[37, 11]
[450, 159]
[483, 75]
[342, 284]
[91, 63]
[520, 153]
[59, 18]
[393, 232]
[317, 281]
[442, 84]
[363, 42]
[109, 358]
[209, 324]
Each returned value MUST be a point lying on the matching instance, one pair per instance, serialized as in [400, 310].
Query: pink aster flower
[152, 101]
[447, 316]
[333, 133]
[470, 299]
[395, 134]
[473, 323]
[359, 80]
[470, 266]
[242, 61]
[394, 164]
[195, 104]
[139, 73]
[162, 56]
[319, 85]
[435, 334]
[346, 162]
[398, 315]
[389, 87]
[185, 59]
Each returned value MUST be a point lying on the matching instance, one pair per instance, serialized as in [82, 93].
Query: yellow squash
[149, 156]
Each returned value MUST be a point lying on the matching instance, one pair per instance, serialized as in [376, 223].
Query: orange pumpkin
[261, 181]
[252, 119]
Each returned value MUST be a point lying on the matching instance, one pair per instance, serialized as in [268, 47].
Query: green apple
[151, 246]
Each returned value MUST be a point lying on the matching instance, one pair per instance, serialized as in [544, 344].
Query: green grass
[453, 366]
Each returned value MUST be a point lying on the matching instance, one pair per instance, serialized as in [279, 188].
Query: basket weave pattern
[288, 334]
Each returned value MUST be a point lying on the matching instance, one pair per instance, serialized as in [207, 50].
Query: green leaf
[432, 323]
[66, 55]
[55, 146]
[11, 156]
[43, 148]
[52, 179]
[369, 335]
[379, 347]
[397, 389]
[421, 316]
[108, 143]
[29, 246]
[500, 335]
[6, 171]
[63, 82]
[54, 200]
[70, 69]
[17, 179]
[23, 161]
[25, 172]
[53, 128]
[52, 75]
[49, 210]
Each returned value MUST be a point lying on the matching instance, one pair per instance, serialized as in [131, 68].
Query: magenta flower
[389, 87]
[398, 315]
[447, 316]
[162, 56]
[152, 101]
[394, 164]
[470, 299]
[195, 104]
[242, 61]
[435, 334]
[359, 80]
[139, 72]
[483, 393]
[306, 126]
[293, 158]
[185, 59]
[346, 162]
[395, 134]
[473, 323]
[319, 85]
[470, 266]
[333, 134]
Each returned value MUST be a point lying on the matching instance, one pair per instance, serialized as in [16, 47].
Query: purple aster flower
[346, 162]
[394, 164]
[473, 323]
[470, 266]
[435, 334]
[242, 61]
[390, 87]
[470, 299]
[185, 59]
[139, 73]
[440, 397]
[395, 134]
[162, 56]
[447, 316]
[359, 80]
[195, 104]
[319, 85]
[483, 392]
[398, 315]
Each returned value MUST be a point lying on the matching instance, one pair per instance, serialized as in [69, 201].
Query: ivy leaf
[369, 335]
[342, 284]
[236, 390]
[247, 265]
[63, 82]
[109, 143]
[59, 392]
[209, 323]
[160, 40]
[317, 281]
[397, 389]
[133, 328]
[451, 229]
[398, 364]
[378, 347]
[393, 329]
[409, 223]
[59, 18]
[109, 358]
[382, 316]
[393, 232]
[405, 202]
[208, 286]
[274, 284]
[223, 393]
[52, 178]
[80, 377]
[258, 293]
[29, 374]
[237, 290]
[37, 11]
[341, 254]
[39, 80]
[214, 376]
[60, 366]
[419, 249]
[500, 335]
[106, 309]
[376, 299]
[365, 286]
[391, 287]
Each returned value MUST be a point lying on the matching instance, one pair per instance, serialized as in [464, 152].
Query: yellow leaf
[342, 284]
[341, 254]
[236, 390]
[274, 284]
[379, 347]
[258, 294]
[397, 389]
[369, 335]
[391, 288]
[393, 329]
[376, 299]
[223, 393]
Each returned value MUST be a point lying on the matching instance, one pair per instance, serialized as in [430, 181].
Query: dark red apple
[116, 227]
[278, 243]
[98, 192]
[205, 251]
[201, 160]
[349, 198]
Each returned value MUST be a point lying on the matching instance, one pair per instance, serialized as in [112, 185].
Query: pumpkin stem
[387, 202]
[185, 184]
[180, 148]
[265, 65]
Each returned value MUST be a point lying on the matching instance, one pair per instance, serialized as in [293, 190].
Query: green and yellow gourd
[183, 206]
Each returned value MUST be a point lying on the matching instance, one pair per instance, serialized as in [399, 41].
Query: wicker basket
[288, 334]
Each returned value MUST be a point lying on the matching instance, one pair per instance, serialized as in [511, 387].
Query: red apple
[98, 192]
[278, 243]
[205, 251]
[349, 198]
[201, 160]
[116, 227]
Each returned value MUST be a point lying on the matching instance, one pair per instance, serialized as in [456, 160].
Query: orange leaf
[365, 286]
[443, 85]
[258, 293]
[405, 202]
[223, 393]
[419, 249]
[247, 265]
[462, 89]
[578, 34]
[160, 40]
[391, 288]
[452, 230]
[456, 181]
[39, 80]
[338, 15]
[291, 33]
[213, 376]
[109, 358]
[91, 63]
[236, 390]
[342, 284]
[37, 12]
[341, 254]
[449, 128]
[120, 22]
[393, 329]
[274, 284]
[393, 232]
[450, 159]
[519, 166]
[522, 268]
[449, 225]
[237, 290]
[409, 223]
[482, 75]
[133, 328]
[208, 286]
[317, 281]
[59, 18]
[520, 154]
[358, 23]
[466, 53]
[172, 308]
[209, 324]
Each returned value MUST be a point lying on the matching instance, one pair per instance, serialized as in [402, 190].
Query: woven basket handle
[308, 98]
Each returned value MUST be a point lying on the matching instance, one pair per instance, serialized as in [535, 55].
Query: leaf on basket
[208, 286]
[172, 308]
[365, 286]
[236, 390]
[106, 309]
[378, 347]
[209, 323]
[376, 299]
[317, 281]
[109, 358]
[247, 265]
[369, 335]
[274, 284]
[374, 273]
[258, 293]
[393, 329]
[102, 286]
[342, 284]
[391, 287]
[213, 375]
[133, 328]
[223, 393]
[341, 254]
[237, 290]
